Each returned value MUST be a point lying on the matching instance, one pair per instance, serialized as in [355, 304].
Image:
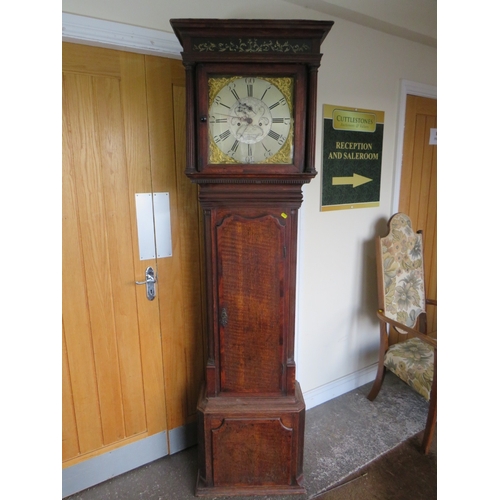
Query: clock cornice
[261, 47]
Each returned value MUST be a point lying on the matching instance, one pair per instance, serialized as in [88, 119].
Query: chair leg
[384, 344]
[377, 384]
[429, 431]
[432, 415]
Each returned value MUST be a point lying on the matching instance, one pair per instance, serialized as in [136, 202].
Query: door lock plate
[150, 283]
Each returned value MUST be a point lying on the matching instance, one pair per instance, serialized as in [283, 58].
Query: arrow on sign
[356, 180]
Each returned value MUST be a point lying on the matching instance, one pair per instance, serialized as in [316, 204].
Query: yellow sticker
[284, 215]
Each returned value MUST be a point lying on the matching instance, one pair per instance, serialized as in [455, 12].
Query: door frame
[407, 87]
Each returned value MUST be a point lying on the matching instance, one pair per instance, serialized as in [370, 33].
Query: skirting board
[340, 386]
[103, 467]
[116, 462]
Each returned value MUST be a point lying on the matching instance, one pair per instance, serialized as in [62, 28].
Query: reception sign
[352, 157]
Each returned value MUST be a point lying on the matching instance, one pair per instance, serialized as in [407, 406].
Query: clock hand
[246, 119]
[243, 107]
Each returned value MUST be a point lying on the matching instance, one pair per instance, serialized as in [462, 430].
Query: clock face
[250, 120]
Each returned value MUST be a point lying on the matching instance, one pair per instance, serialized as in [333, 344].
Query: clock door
[252, 277]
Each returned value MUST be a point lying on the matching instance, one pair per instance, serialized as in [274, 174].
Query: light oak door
[131, 367]
[418, 192]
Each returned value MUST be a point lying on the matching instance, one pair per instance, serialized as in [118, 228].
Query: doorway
[132, 367]
[416, 184]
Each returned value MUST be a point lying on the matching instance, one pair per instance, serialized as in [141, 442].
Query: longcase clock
[251, 115]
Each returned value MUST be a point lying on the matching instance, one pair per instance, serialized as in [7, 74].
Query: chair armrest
[420, 335]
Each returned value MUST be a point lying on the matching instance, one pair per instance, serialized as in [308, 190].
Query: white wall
[337, 335]
[337, 332]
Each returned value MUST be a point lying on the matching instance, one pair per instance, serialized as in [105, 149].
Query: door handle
[150, 283]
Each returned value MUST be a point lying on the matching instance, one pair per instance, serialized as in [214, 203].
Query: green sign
[352, 157]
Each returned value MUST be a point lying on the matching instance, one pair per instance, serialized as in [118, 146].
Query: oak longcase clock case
[251, 115]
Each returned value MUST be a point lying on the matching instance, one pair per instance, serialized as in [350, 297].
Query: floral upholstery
[402, 301]
[413, 362]
[401, 251]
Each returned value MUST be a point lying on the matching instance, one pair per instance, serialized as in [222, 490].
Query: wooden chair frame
[420, 331]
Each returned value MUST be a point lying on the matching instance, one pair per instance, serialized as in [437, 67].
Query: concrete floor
[343, 436]
[402, 473]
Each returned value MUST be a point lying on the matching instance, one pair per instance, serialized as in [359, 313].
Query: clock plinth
[251, 115]
[251, 446]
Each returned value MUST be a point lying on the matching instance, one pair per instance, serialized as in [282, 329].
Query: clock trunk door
[252, 277]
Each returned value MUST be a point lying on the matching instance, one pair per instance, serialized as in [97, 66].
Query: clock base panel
[250, 446]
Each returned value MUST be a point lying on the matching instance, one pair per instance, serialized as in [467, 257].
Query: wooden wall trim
[113, 35]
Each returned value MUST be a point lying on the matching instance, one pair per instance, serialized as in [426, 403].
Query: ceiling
[414, 20]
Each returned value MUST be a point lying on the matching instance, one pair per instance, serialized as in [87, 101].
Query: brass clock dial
[250, 120]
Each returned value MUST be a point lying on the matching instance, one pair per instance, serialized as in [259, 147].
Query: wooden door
[418, 192]
[131, 367]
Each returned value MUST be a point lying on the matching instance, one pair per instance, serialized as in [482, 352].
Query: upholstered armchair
[402, 305]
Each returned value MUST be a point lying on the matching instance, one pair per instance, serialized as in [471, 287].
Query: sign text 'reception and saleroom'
[352, 157]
